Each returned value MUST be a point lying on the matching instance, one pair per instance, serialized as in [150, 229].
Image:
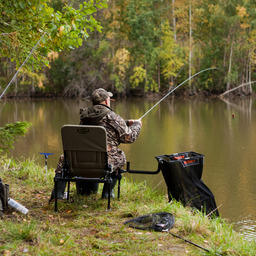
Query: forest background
[127, 46]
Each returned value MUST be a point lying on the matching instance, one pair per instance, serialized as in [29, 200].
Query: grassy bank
[84, 227]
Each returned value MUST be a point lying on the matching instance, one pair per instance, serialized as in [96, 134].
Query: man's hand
[131, 122]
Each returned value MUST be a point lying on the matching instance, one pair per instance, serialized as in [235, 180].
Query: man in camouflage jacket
[118, 131]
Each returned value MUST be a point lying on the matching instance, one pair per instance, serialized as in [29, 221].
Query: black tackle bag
[161, 221]
[182, 173]
[4, 195]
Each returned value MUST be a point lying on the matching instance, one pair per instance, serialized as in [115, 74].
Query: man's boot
[105, 189]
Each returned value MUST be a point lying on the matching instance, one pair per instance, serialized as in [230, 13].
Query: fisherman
[118, 131]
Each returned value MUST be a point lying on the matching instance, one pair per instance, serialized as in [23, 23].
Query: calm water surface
[223, 131]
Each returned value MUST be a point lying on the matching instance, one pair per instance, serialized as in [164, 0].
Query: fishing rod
[190, 242]
[171, 91]
[14, 77]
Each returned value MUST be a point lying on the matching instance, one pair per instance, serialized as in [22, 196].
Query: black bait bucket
[182, 173]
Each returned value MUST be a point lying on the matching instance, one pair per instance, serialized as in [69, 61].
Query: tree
[9, 133]
[170, 53]
[144, 19]
[222, 31]
[24, 23]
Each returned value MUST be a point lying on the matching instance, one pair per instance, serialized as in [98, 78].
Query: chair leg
[118, 193]
[109, 189]
[119, 182]
[55, 196]
[68, 190]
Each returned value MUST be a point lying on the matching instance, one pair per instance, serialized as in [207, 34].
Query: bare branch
[233, 89]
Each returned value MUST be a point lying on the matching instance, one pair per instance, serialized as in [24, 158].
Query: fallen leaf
[93, 231]
[6, 253]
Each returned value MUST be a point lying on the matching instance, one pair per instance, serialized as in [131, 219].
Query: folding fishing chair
[85, 157]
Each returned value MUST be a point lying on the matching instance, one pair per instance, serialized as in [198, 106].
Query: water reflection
[247, 228]
[223, 131]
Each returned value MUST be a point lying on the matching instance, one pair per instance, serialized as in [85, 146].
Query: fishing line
[174, 90]
[14, 77]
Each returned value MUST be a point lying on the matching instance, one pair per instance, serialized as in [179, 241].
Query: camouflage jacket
[117, 131]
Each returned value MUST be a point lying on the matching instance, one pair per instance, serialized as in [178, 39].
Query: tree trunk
[174, 20]
[250, 77]
[229, 67]
[159, 77]
[171, 81]
[190, 48]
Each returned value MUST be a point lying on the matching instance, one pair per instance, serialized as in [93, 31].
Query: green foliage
[24, 22]
[143, 34]
[222, 27]
[10, 132]
[151, 85]
[59, 74]
[118, 84]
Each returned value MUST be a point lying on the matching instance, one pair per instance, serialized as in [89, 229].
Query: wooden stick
[233, 89]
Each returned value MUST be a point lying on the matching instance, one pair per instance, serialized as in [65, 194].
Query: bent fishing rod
[171, 91]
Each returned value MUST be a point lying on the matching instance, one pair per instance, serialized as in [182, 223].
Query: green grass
[85, 227]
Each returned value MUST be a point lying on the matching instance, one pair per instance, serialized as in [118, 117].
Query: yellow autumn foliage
[52, 55]
[138, 77]
[241, 11]
[28, 75]
[121, 61]
[170, 53]
[252, 42]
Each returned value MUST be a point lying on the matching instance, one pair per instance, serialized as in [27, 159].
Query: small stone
[25, 250]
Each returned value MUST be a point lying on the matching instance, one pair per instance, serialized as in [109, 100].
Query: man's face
[108, 101]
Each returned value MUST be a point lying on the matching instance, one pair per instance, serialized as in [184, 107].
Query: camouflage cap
[100, 95]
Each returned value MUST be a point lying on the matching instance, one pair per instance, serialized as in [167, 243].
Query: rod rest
[141, 172]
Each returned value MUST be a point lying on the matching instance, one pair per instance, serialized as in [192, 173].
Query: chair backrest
[85, 149]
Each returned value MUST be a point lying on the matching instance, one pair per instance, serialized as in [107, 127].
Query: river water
[224, 132]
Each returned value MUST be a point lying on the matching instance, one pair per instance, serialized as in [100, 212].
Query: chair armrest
[139, 171]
